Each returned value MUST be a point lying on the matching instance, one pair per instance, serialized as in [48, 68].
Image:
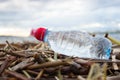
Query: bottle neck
[45, 39]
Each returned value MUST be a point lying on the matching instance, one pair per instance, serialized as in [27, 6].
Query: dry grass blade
[105, 71]
[59, 74]
[39, 75]
[80, 78]
[95, 72]
[26, 73]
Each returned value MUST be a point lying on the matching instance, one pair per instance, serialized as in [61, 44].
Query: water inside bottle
[70, 44]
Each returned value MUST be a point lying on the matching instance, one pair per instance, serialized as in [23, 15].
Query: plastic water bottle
[75, 43]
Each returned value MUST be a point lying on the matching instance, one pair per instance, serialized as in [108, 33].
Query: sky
[18, 17]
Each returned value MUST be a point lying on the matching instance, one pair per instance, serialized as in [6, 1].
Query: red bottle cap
[39, 33]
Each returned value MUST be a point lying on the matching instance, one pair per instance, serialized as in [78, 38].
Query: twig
[38, 46]
[2, 54]
[10, 45]
[6, 63]
[23, 64]
[104, 61]
[13, 53]
[3, 66]
[2, 58]
[48, 64]
[32, 72]
[15, 62]
[114, 77]
[17, 75]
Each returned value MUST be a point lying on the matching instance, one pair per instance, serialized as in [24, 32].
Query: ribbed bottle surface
[79, 44]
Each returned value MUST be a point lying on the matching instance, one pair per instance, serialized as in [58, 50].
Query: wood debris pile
[36, 61]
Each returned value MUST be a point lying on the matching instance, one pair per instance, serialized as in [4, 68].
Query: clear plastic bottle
[75, 43]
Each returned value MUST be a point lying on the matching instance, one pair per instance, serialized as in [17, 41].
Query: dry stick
[83, 62]
[27, 54]
[3, 66]
[104, 61]
[54, 69]
[23, 64]
[23, 53]
[80, 78]
[48, 58]
[17, 75]
[36, 50]
[115, 66]
[10, 45]
[16, 61]
[32, 72]
[6, 63]
[13, 53]
[115, 46]
[31, 50]
[75, 64]
[114, 77]
[38, 45]
[1, 62]
[2, 58]
[48, 64]
[18, 53]
[2, 54]
[39, 75]
[90, 62]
